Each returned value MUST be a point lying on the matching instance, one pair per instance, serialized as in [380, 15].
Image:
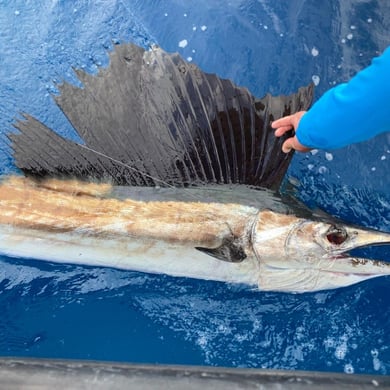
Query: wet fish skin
[78, 222]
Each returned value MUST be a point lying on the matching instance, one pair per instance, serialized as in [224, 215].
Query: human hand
[288, 123]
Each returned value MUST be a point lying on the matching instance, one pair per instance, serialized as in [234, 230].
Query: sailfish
[177, 172]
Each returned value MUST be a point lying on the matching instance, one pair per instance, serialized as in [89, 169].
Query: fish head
[299, 255]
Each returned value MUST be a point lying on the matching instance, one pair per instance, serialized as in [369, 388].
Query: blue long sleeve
[351, 112]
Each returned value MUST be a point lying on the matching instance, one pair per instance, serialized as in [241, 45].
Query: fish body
[80, 223]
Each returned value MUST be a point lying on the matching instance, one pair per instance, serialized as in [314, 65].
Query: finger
[281, 130]
[285, 121]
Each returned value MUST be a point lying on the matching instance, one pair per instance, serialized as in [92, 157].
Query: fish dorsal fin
[151, 118]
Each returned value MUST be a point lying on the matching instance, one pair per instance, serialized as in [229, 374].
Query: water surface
[52, 310]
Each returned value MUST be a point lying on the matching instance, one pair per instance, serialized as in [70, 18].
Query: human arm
[347, 113]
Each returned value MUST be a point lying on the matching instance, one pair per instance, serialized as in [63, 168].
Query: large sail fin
[151, 118]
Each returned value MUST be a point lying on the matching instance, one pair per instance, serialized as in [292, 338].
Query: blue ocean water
[52, 310]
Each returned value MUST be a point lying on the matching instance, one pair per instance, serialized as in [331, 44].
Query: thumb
[288, 145]
[293, 143]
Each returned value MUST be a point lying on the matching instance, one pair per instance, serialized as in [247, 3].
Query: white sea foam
[316, 79]
[341, 351]
[183, 43]
[322, 169]
[377, 364]
[348, 369]
[329, 156]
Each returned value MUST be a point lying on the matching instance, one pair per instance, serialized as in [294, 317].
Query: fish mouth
[351, 261]
[343, 269]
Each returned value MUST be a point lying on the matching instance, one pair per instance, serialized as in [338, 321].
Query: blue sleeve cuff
[351, 112]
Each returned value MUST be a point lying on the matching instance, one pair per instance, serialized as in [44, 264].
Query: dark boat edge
[32, 373]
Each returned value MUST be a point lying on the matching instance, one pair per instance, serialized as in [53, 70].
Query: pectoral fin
[231, 250]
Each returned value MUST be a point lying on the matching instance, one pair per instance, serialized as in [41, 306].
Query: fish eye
[336, 235]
